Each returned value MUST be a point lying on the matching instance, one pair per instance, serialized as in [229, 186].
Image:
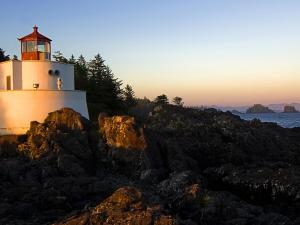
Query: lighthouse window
[41, 46]
[31, 46]
[24, 47]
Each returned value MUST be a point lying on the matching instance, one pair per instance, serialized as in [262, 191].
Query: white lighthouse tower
[35, 86]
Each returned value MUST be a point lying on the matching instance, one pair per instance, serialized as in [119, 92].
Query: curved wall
[19, 108]
[37, 72]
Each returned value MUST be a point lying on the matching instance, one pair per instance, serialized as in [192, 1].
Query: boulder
[68, 120]
[122, 132]
[127, 205]
[63, 137]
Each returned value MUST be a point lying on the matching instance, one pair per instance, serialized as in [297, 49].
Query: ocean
[287, 120]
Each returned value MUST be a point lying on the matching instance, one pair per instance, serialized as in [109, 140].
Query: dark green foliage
[129, 97]
[161, 100]
[3, 57]
[178, 101]
[103, 87]
[81, 72]
[58, 57]
[104, 92]
[141, 109]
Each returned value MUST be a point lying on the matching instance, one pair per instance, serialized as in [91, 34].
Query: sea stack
[258, 108]
[289, 109]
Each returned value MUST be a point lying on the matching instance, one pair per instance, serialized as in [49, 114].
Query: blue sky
[226, 52]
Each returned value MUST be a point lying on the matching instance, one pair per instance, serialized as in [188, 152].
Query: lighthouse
[32, 87]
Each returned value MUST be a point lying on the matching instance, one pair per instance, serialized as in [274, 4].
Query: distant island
[258, 108]
[289, 109]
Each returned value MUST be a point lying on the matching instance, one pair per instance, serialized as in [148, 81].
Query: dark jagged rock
[198, 166]
[271, 183]
[52, 172]
[125, 206]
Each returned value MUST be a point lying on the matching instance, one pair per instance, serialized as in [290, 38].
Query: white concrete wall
[37, 72]
[17, 75]
[26, 73]
[19, 108]
[6, 69]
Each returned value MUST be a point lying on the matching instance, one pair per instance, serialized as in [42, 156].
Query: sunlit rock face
[122, 132]
[64, 138]
[198, 166]
[126, 205]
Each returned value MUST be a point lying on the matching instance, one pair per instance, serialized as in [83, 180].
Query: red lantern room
[35, 46]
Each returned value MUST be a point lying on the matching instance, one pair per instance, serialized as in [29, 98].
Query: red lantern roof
[34, 36]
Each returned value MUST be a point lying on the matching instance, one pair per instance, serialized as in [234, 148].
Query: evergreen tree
[178, 101]
[129, 97]
[59, 57]
[3, 57]
[72, 59]
[103, 87]
[161, 100]
[80, 72]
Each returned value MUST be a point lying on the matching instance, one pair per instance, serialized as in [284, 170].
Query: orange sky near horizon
[224, 52]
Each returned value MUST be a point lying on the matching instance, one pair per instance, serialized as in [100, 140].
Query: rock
[289, 109]
[198, 166]
[67, 119]
[226, 209]
[262, 185]
[122, 132]
[177, 183]
[63, 137]
[127, 205]
[258, 108]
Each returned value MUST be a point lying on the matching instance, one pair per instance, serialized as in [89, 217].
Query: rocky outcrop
[258, 108]
[122, 132]
[63, 131]
[198, 166]
[289, 109]
[270, 183]
[51, 172]
[127, 205]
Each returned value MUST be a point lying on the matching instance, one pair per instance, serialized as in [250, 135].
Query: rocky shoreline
[180, 166]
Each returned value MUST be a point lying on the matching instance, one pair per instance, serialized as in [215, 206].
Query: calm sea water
[283, 119]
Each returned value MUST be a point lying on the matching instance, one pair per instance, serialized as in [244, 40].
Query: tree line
[104, 90]
[3, 56]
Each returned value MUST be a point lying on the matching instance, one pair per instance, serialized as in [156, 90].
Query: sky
[209, 52]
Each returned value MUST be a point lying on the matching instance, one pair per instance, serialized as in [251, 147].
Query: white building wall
[38, 72]
[26, 73]
[17, 75]
[19, 108]
[6, 69]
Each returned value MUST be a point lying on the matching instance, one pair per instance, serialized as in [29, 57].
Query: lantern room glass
[34, 46]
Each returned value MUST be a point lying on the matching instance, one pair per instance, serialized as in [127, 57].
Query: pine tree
[81, 73]
[72, 60]
[178, 101]
[103, 87]
[59, 57]
[129, 97]
[161, 100]
[3, 57]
